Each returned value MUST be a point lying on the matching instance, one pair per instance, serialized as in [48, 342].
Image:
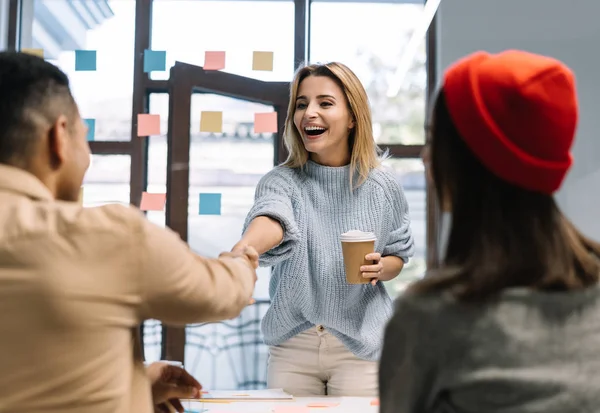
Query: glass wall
[100, 44]
[92, 42]
[186, 29]
[373, 53]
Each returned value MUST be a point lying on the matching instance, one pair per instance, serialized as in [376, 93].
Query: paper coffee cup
[355, 246]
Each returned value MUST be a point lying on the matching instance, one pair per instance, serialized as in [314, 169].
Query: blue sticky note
[91, 124]
[85, 60]
[210, 204]
[155, 61]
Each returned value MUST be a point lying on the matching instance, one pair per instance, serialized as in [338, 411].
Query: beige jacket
[74, 284]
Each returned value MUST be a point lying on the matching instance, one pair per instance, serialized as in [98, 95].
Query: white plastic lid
[357, 236]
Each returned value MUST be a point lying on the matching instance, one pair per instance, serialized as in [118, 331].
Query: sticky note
[375, 402]
[35, 52]
[155, 61]
[85, 60]
[91, 124]
[265, 122]
[211, 122]
[291, 409]
[262, 61]
[153, 202]
[148, 124]
[210, 204]
[214, 60]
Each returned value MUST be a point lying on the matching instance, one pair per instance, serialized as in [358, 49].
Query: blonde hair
[365, 155]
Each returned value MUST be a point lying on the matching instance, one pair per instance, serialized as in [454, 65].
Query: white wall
[567, 30]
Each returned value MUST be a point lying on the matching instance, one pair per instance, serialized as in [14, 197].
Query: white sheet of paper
[267, 394]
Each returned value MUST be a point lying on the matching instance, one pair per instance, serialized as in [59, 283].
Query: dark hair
[501, 235]
[33, 93]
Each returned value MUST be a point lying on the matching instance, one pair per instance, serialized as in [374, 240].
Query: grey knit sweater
[527, 352]
[308, 284]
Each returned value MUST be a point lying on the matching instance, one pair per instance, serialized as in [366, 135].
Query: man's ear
[58, 141]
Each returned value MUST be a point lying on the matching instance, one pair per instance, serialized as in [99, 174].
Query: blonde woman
[325, 334]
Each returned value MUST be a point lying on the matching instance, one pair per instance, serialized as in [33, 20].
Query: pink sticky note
[153, 202]
[375, 402]
[265, 122]
[148, 124]
[291, 409]
[214, 60]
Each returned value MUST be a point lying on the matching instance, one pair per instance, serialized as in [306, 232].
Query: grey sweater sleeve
[273, 199]
[400, 242]
[406, 370]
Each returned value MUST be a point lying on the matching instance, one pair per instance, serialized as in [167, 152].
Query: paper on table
[322, 405]
[291, 409]
[267, 394]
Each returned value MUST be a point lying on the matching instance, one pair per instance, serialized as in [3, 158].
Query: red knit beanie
[517, 111]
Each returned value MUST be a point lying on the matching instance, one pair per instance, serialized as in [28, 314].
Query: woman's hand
[374, 270]
[383, 268]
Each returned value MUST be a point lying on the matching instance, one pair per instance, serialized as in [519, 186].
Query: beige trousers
[316, 363]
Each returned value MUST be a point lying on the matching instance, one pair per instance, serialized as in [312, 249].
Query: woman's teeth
[314, 130]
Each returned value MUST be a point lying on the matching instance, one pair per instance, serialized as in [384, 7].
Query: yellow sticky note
[35, 52]
[211, 122]
[262, 61]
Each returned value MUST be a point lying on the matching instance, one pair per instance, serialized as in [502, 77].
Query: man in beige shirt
[76, 282]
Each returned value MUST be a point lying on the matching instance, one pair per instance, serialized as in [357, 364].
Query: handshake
[244, 252]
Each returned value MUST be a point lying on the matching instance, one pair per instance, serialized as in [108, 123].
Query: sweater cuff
[280, 211]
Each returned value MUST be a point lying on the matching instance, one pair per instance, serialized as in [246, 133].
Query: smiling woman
[323, 120]
[318, 101]
[331, 183]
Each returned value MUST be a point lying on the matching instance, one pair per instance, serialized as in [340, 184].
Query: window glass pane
[373, 53]
[410, 173]
[186, 29]
[107, 180]
[228, 355]
[61, 27]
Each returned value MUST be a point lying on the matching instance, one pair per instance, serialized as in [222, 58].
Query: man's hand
[171, 383]
[245, 251]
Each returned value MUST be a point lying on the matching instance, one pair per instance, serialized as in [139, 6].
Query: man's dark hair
[33, 93]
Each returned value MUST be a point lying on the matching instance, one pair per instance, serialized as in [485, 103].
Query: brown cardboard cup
[354, 257]
[354, 250]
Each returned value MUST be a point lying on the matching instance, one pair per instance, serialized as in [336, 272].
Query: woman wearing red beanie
[510, 322]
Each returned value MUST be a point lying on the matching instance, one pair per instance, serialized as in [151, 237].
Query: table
[338, 405]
